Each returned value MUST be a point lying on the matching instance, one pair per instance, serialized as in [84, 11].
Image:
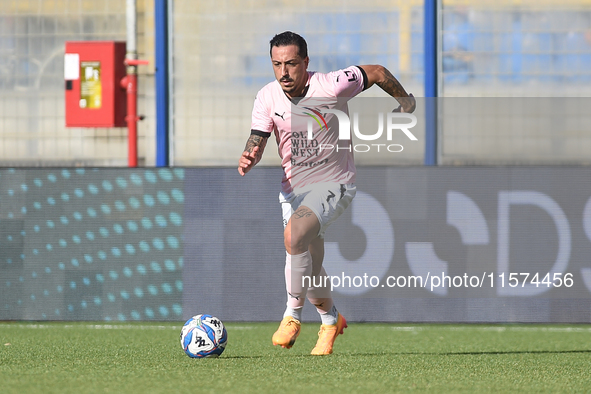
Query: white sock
[297, 267]
[330, 317]
[296, 313]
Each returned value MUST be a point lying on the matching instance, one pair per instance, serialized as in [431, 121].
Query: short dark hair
[290, 38]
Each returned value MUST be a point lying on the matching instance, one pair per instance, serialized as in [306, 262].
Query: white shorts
[327, 200]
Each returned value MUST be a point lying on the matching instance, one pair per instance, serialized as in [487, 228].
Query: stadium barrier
[487, 244]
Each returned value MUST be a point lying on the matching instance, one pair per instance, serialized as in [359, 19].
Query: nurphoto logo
[394, 121]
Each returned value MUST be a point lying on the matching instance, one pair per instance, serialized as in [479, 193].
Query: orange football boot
[327, 335]
[287, 333]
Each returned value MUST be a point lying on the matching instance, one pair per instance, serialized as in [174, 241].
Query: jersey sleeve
[261, 123]
[349, 82]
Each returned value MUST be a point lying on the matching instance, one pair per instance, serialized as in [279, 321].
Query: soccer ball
[203, 336]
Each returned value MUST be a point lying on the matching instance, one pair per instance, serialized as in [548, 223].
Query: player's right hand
[410, 104]
[247, 161]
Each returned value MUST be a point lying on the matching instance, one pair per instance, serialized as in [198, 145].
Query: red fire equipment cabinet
[93, 71]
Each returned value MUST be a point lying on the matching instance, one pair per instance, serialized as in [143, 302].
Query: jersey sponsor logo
[307, 164]
[281, 116]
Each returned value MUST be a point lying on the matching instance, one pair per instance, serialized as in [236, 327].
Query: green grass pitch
[369, 358]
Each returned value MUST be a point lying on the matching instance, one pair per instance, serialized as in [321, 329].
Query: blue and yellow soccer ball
[203, 336]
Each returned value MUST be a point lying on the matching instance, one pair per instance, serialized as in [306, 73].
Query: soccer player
[318, 184]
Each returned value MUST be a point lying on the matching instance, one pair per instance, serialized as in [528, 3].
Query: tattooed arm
[253, 152]
[384, 79]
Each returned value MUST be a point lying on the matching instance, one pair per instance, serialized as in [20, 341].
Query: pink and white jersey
[307, 137]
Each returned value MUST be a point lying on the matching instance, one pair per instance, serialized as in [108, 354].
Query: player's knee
[295, 241]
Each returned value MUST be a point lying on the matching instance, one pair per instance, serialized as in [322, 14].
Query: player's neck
[297, 97]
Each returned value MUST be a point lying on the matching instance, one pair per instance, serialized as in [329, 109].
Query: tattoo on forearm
[253, 140]
[302, 212]
[392, 86]
[256, 140]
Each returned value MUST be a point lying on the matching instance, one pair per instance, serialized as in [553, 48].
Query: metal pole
[132, 118]
[161, 44]
[431, 85]
[171, 129]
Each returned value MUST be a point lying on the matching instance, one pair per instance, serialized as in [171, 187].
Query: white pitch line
[106, 326]
[496, 329]
[91, 326]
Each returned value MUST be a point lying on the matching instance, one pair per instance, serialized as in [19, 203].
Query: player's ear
[306, 61]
